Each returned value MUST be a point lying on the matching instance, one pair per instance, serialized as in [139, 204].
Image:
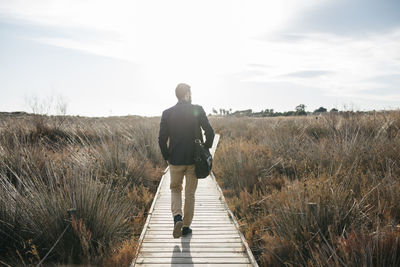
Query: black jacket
[180, 124]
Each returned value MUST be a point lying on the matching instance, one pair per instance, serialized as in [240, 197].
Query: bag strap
[197, 130]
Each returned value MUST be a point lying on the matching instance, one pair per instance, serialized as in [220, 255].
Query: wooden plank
[178, 254]
[209, 220]
[200, 234]
[202, 193]
[198, 202]
[196, 214]
[193, 245]
[205, 201]
[167, 198]
[195, 204]
[199, 209]
[192, 240]
[198, 228]
[196, 209]
[197, 232]
[163, 205]
[194, 226]
[198, 205]
[209, 195]
[194, 249]
[200, 215]
[192, 265]
[201, 212]
[195, 222]
[197, 236]
[193, 260]
[197, 217]
[198, 223]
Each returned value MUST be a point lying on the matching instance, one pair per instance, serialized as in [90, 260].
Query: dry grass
[314, 191]
[107, 170]
[308, 191]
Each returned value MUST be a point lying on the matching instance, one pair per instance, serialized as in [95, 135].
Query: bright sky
[126, 57]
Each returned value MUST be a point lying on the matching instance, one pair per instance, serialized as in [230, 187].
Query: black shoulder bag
[202, 155]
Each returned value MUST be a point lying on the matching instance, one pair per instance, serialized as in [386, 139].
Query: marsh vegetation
[307, 191]
[315, 190]
[75, 190]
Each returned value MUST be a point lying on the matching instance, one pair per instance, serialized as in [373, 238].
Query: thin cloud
[353, 18]
[387, 79]
[389, 98]
[283, 37]
[257, 65]
[338, 65]
[308, 73]
[100, 47]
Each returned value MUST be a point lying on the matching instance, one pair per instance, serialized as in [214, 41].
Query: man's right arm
[163, 136]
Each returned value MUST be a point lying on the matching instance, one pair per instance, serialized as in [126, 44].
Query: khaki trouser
[177, 172]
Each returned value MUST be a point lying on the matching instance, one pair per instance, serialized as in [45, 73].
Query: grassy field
[316, 190]
[75, 190]
[307, 191]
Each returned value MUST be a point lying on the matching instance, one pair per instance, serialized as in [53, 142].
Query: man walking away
[179, 125]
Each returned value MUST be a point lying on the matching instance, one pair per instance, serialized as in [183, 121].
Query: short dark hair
[181, 90]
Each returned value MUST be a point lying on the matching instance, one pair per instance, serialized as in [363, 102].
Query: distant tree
[214, 111]
[301, 107]
[268, 112]
[300, 110]
[293, 113]
[320, 110]
[334, 110]
[247, 112]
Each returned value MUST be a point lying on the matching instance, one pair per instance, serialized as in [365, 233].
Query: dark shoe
[177, 226]
[186, 231]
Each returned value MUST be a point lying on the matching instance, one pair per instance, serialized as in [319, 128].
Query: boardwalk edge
[145, 227]
[233, 218]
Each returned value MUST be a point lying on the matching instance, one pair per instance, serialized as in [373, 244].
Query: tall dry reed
[316, 190]
[75, 192]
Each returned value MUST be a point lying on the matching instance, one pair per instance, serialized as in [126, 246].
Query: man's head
[182, 92]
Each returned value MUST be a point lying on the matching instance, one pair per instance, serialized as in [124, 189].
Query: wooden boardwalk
[215, 241]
